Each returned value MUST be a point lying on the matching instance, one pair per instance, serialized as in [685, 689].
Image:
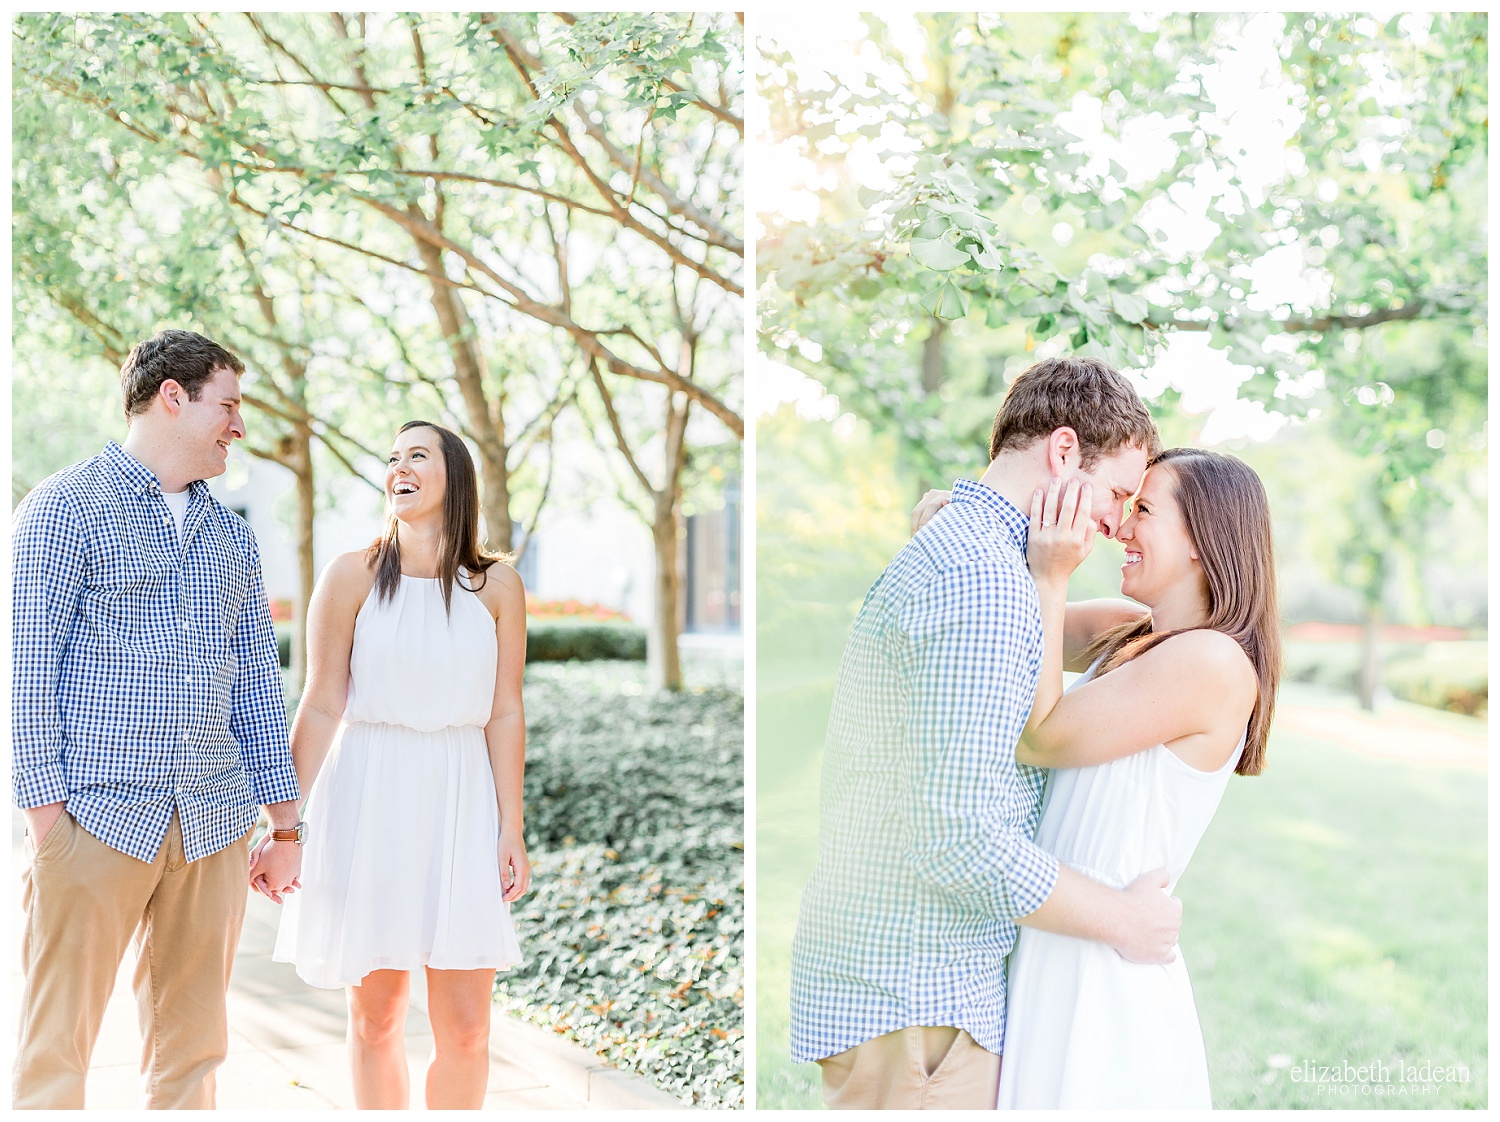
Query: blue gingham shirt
[925, 855]
[145, 668]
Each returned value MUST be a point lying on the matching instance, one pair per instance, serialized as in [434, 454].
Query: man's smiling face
[206, 427]
[1114, 478]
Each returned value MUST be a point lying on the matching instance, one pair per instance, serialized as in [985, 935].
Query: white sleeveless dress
[1085, 1028]
[401, 868]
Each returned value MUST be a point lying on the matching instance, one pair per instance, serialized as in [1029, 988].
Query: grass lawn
[1335, 911]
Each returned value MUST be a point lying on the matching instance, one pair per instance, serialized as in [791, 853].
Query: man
[925, 861]
[149, 722]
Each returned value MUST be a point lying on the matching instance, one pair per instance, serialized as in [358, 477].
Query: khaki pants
[83, 900]
[918, 1068]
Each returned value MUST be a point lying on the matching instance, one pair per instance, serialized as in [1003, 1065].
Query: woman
[414, 845]
[1141, 748]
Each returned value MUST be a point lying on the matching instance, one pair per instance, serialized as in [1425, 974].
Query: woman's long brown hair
[459, 546]
[1228, 520]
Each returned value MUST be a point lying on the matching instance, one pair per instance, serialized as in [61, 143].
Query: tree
[477, 163]
[1366, 192]
[192, 263]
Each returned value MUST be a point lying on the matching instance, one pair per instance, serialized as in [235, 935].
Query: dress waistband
[411, 731]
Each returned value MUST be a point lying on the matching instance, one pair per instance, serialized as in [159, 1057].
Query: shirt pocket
[123, 600]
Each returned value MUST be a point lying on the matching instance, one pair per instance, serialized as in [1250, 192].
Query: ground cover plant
[634, 932]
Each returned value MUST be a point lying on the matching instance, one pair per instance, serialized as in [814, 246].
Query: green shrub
[1333, 665]
[634, 933]
[1451, 676]
[1443, 675]
[563, 641]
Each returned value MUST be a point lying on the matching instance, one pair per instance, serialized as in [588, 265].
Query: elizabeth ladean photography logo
[1398, 1077]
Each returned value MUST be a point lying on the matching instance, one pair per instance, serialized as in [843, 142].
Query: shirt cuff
[1029, 891]
[278, 785]
[40, 786]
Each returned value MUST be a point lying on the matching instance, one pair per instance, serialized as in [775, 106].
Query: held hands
[1062, 530]
[275, 868]
[1152, 920]
[515, 866]
[928, 505]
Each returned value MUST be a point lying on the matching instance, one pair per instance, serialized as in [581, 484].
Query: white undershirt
[178, 505]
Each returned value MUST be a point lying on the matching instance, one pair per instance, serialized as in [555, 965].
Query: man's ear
[1062, 451]
[172, 395]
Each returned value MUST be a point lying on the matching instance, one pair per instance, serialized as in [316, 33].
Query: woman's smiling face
[416, 478]
[1159, 554]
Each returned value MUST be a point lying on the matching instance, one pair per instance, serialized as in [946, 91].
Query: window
[712, 584]
[526, 566]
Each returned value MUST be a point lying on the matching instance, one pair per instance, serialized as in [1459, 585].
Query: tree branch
[718, 111]
[713, 232]
[619, 431]
[421, 272]
[515, 53]
[536, 515]
[320, 429]
[1413, 309]
[544, 420]
[276, 45]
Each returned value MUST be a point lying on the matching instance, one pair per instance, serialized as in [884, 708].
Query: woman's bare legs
[377, 1040]
[458, 1002]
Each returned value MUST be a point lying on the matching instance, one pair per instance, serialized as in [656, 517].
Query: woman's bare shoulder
[1211, 660]
[500, 589]
[349, 577]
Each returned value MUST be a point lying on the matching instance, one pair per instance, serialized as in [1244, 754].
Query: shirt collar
[138, 477]
[1015, 523]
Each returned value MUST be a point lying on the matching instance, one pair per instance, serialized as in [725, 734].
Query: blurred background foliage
[1293, 204]
[525, 226]
[1277, 226]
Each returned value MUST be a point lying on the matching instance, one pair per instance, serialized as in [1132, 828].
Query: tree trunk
[932, 381]
[485, 420]
[932, 357]
[1380, 543]
[663, 657]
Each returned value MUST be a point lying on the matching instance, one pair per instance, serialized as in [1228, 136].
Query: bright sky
[1256, 116]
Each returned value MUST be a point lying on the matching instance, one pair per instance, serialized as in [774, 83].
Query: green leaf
[932, 228]
[1129, 307]
[987, 258]
[946, 301]
[938, 254]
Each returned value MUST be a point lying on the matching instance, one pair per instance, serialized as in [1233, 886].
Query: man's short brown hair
[187, 358]
[1086, 395]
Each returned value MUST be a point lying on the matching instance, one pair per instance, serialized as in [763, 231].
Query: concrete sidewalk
[286, 1040]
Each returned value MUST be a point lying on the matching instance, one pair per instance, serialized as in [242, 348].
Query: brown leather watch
[297, 833]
